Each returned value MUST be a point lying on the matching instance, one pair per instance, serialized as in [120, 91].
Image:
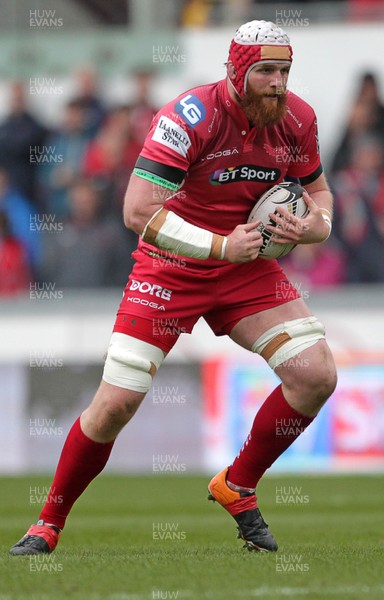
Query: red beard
[259, 113]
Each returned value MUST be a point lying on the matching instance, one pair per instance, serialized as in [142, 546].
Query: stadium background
[54, 335]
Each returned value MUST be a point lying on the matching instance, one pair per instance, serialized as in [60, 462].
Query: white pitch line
[263, 592]
[153, 594]
[308, 591]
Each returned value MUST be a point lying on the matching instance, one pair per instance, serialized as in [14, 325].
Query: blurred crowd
[353, 253]
[211, 13]
[62, 191]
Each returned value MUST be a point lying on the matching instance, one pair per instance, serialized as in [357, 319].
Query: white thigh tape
[131, 363]
[282, 342]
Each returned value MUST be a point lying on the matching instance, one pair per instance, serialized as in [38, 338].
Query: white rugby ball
[288, 195]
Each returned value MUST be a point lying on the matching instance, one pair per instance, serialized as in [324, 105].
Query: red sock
[80, 461]
[275, 428]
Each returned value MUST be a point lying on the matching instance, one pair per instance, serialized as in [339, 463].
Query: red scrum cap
[255, 42]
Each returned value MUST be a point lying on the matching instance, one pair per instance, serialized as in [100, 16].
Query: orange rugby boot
[243, 508]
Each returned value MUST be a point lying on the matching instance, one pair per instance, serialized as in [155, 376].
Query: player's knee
[327, 378]
[319, 381]
[131, 363]
[110, 410]
[118, 412]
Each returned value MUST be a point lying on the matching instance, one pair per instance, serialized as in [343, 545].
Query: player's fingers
[291, 233]
[253, 236]
[250, 226]
[282, 212]
[254, 254]
[284, 227]
[283, 240]
[287, 216]
[282, 217]
[256, 242]
[309, 202]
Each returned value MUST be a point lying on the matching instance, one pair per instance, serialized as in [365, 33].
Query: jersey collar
[233, 108]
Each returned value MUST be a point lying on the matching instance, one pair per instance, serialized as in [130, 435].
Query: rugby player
[208, 156]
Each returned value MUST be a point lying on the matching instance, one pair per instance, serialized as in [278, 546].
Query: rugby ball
[288, 195]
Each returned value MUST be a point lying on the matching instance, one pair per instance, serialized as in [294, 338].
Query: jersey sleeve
[174, 141]
[305, 163]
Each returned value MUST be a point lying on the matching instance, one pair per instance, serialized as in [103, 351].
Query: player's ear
[231, 71]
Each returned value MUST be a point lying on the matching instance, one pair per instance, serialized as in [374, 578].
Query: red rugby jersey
[204, 138]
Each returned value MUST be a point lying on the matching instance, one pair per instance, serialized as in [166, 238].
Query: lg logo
[191, 109]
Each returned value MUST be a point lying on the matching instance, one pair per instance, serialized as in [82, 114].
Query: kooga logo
[245, 173]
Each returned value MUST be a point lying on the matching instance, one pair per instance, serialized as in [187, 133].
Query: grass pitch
[157, 538]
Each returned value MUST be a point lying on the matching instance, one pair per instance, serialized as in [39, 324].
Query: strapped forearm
[167, 231]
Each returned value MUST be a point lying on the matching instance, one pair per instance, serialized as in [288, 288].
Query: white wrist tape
[325, 210]
[327, 219]
[223, 248]
[169, 232]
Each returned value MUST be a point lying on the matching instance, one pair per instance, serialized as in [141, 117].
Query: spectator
[196, 13]
[19, 213]
[110, 158]
[91, 250]
[68, 145]
[15, 273]
[359, 211]
[87, 95]
[22, 137]
[142, 109]
[365, 10]
[366, 116]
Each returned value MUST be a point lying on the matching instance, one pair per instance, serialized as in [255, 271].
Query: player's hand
[244, 243]
[292, 230]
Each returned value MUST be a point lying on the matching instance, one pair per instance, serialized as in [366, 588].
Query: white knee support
[131, 363]
[282, 342]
